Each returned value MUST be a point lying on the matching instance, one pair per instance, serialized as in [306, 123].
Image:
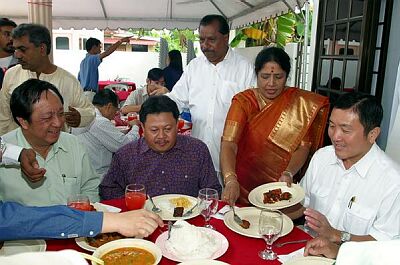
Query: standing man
[209, 83]
[89, 70]
[32, 44]
[7, 58]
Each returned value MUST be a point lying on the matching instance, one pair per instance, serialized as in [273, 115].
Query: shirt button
[62, 234]
[91, 233]
[163, 188]
[162, 172]
[186, 176]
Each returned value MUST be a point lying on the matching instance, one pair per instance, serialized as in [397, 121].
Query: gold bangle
[230, 181]
[229, 174]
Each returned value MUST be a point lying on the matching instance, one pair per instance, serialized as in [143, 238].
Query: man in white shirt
[209, 82]
[7, 58]
[155, 79]
[352, 187]
[101, 137]
[32, 44]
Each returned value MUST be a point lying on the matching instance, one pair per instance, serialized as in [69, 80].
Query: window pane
[62, 43]
[328, 40]
[325, 70]
[343, 9]
[330, 10]
[355, 35]
[337, 73]
[357, 8]
[351, 75]
[340, 38]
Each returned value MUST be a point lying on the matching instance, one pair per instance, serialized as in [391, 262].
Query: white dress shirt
[137, 97]
[207, 90]
[102, 139]
[373, 183]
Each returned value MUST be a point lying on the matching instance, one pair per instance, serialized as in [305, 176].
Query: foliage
[275, 31]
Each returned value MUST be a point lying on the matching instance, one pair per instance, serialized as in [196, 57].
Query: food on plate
[245, 224]
[276, 195]
[178, 211]
[190, 242]
[101, 239]
[128, 255]
[181, 202]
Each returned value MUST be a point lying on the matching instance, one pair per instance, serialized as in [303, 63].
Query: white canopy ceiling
[149, 14]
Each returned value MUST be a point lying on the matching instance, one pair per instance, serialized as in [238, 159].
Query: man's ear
[23, 123]
[373, 134]
[43, 49]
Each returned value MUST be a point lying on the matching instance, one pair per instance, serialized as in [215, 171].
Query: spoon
[92, 258]
[236, 217]
[155, 208]
[188, 213]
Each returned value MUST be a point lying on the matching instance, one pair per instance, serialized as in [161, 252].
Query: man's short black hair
[105, 96]
[223, 24]
[157, 105]
[37, 34]
[5, 22]
[155, 74]
[27, 94]
[367, 107]
[92, 42]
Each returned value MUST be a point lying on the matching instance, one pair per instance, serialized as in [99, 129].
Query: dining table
[242, 250]
[122, 94]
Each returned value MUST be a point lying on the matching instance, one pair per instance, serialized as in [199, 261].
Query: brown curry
[127, 256]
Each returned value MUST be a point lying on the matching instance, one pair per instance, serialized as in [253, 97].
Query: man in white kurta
[209, 83]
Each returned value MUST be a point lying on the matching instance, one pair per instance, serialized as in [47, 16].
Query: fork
[188, 213]
[155, 208]
[170, 225]
[290, 242]
[236, 217]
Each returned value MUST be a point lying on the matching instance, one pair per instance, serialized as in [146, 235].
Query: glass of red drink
[135, 196]
[79, 202]
[132, 116]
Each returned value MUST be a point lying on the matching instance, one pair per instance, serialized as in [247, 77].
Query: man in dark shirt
[163, 161]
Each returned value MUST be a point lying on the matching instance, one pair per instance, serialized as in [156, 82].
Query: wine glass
[135, 196]
[270, 227]
[208, 204]
[79, 202]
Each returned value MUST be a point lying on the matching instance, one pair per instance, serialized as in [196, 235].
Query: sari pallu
[268, 137]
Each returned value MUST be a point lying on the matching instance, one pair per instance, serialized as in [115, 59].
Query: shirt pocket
[229, 89]
[71, 185]
[358, 219]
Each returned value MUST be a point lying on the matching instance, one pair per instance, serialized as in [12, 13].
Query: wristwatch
[344, 237]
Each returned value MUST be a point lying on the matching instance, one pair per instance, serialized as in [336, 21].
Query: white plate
[162, 202]
[256, 196]
[252, 215]
[203, 262]
[20, 246]
[220, 238]
[309, 261]
[100, 207]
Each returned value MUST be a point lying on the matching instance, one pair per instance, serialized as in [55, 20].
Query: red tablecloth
[122, 95]
[242, 250]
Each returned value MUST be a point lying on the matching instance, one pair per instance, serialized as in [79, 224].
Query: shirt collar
[145, 148]
[228, 56]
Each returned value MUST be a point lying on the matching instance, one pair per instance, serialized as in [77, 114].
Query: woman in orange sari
[270, 131]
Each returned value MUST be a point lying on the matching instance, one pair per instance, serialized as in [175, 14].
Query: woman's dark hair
[26, 95]
[105, 96]
[156, 105]
[223, 24]
[367, 107]
[175, 60]
[37, 34]
[91, 42]
[273, 54]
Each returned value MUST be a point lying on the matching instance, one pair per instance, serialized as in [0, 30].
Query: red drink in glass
[135, 196]
[132, 116]
[79, 202]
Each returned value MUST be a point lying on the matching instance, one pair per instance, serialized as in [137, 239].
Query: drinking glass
[208, 204]
[269, 227]
[79, 202]
[135, 196]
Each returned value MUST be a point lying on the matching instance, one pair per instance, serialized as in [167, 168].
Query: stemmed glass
[270, 227]
[208, 204]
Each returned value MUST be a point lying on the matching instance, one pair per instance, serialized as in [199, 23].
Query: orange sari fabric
[268, 135]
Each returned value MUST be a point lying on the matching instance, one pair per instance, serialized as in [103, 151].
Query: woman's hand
[231, 191]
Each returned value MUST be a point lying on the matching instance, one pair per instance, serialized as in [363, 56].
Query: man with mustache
[7, 58]
[166, 163]
[32, 44]
[210, 81]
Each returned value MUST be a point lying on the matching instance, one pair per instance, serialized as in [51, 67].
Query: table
[242, 250]
[122, 95]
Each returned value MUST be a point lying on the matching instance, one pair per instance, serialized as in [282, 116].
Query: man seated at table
[37, 107]
[155, 79]
[352, 187]
[32, 44]
[101, 137]
[163, 161]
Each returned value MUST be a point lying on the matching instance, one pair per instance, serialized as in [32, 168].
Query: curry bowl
[133, 245]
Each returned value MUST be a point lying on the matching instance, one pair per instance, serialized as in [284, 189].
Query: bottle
[186, 114]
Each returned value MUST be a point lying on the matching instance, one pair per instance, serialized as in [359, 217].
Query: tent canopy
[149, 14]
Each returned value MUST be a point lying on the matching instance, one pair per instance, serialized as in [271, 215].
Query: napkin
[220, 214]
[294, 254]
